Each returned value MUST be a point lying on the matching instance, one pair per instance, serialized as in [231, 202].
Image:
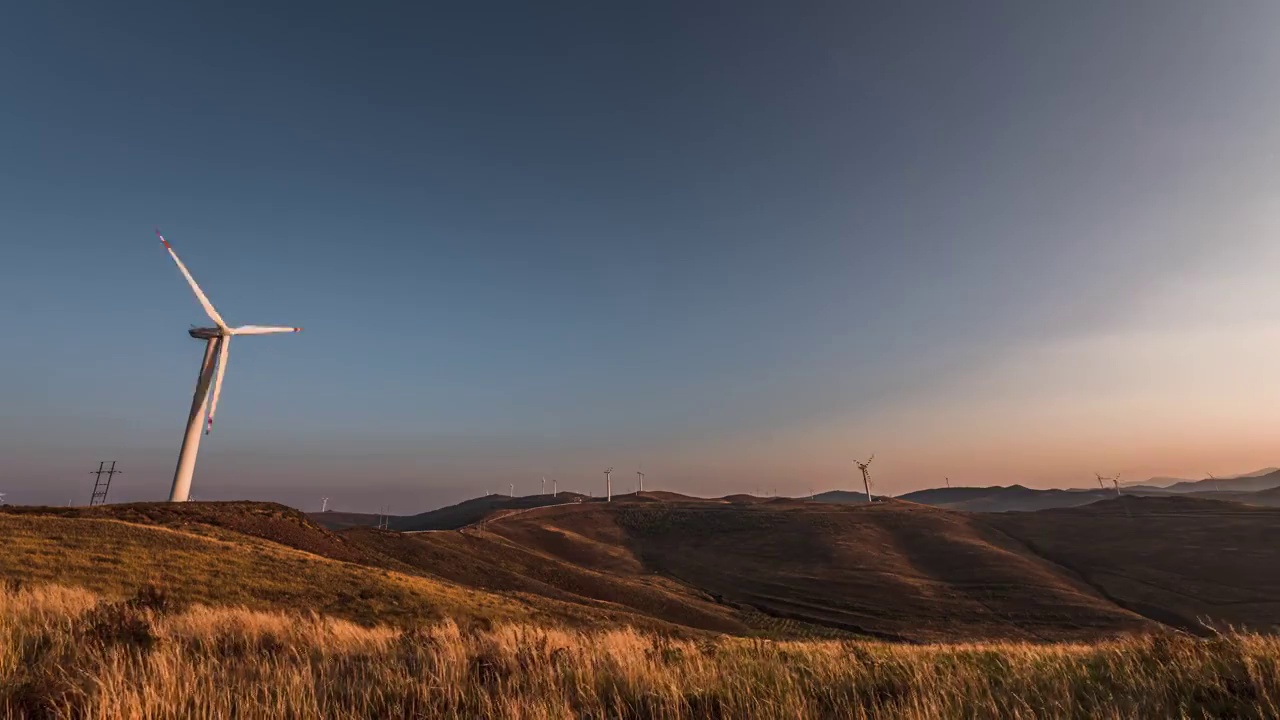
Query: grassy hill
[474, 510]
[892, 569]
[1179, 560]
[68, 653]
[256, 555]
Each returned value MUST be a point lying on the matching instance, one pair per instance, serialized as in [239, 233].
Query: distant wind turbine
[1115, 481]
[608, 485]
[324, 504]
[866, 475]
[212, 370]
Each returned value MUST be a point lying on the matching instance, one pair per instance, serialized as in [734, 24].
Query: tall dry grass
[65, 653]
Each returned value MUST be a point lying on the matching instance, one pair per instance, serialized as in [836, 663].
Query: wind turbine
[866, 475]
[212, 370]
[544, 484]
[324, 504]
[640, 479]
[1115, 482]
[608, 485]
[1, 498]
[513, 490]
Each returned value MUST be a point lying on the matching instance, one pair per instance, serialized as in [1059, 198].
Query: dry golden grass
[68, 654]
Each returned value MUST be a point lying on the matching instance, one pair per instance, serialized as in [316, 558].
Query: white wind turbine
[212, 369]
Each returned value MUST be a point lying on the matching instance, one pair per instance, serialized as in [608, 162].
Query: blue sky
[999, 242]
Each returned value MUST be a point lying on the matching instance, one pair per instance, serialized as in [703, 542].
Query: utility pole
[100, 486]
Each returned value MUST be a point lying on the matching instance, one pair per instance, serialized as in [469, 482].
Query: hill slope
[1176, 559]
[469, 512]
[891, 570]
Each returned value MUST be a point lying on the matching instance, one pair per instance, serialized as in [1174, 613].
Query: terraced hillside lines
[891, 570]
[1176, 559]
[490, 561]
[115, 557]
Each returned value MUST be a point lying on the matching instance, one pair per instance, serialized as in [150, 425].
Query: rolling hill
[1004, 498]
[890, 570]
[1179, 560]
[893, 569]
[474, 510]
[1244, 483]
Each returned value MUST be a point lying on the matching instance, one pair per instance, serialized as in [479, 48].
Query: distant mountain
[1005, 498]
[1252, 482]
[841, 497]
[1183, 484]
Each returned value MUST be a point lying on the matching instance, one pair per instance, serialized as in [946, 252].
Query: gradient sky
[742, 244]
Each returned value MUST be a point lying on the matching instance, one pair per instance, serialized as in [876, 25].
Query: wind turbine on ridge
[866, 475]
[209, 383]
[608, 485]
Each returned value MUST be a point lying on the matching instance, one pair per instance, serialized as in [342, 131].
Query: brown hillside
[1177, 559]
[486, 560]
[892, 570]
[265, 520]
[474, 510]
[114, 557]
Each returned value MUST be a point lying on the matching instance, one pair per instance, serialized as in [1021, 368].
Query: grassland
[68, 653]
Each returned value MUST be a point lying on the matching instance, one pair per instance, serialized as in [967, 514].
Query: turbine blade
[263, 330]
[204, 301]
[224, 347]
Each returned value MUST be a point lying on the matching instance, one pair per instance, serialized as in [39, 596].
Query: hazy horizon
[1000, 243]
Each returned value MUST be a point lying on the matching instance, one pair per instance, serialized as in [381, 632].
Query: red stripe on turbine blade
[166, 242]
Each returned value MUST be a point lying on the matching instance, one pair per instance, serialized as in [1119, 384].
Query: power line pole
[100, 486]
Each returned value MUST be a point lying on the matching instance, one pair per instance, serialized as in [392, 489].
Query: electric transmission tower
[101, 485]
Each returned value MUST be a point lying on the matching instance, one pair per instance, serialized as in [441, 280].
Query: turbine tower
[608, 485]
[544, 484]
[640, 479]
[212, 369]
[866, 475]
[1115, 482]
[324, 504]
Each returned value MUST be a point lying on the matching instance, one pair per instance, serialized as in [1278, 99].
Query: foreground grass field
[67, 653]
